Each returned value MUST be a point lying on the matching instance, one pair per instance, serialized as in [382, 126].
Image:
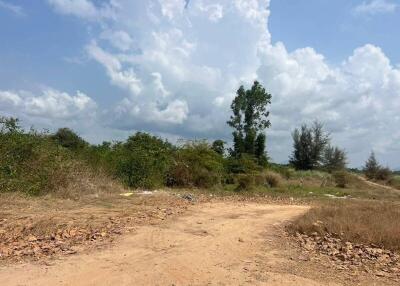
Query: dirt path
[377, 184]
[214, 244]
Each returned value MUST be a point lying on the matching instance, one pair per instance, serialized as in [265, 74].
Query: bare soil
[212, 243]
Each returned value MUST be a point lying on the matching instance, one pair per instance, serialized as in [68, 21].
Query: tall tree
[218, 146]
[249, 119]
[371, 167]
[259, 151]
[334, 158]
[308, 146]
[320, 139]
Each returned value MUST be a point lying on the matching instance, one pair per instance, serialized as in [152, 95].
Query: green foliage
[143, 160]
[309, 144]
[245, 182]
[30, 162]
[9, 125]
[374, 171]
[245, 164]
[196, 164]
[334, 159]
[341, 178]
[394, 181]
[219, 147]
[371, 167]
[384, 174]
[259, 151]
[69, 139]
[284, 170]
[249, 119]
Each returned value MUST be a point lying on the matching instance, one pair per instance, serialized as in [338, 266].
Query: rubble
[19, 239]
[350, 256]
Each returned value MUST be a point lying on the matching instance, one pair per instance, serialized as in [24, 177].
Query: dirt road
[213, 244]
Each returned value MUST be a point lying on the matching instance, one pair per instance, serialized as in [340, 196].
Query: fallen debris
[349, 256]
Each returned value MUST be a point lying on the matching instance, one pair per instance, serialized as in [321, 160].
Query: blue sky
[108, 68]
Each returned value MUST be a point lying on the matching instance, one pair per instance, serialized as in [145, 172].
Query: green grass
[395, 182]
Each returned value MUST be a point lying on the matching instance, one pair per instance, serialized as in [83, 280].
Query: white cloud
[172, 8]
[119, 39]
[214, 11]
[83, 8]
[373, 7]
[17, 10]
[124, 78]
[182, 68]
[51, 104]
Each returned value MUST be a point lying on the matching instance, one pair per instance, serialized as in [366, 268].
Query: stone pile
[350, 256]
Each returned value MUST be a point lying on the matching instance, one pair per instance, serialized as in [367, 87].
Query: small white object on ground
[126, 194]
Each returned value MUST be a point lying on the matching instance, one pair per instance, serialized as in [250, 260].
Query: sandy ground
[224, 243]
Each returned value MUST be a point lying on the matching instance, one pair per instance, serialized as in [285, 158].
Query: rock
[381, 274]
[32, 238]
[304, 257]
[189, 197]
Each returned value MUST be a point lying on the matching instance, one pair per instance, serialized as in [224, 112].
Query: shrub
[245, 164]
[245, 182]
[143, 160]
[341, 179]
[273, 179]
[383, 174]
[196, 164]
[69, 139]
[31, 162]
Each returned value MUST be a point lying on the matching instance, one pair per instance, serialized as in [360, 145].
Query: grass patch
[368, 222]
[395, 182]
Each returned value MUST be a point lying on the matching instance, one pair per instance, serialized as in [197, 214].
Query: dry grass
[368, 222]
[273, 179]
[83, 181]
[395, 182]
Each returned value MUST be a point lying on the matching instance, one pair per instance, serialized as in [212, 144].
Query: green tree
[69, 139]
[260, 152]
[249, 120]
[334, 159]
[9, 125]
[219, 146]
[143, 160]
[371, 167]
[196, 164]
[308, 146]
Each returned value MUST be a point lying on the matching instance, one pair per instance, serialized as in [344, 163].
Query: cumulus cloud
[376, 7]
[214, 11]
[181, 71]
[51, 104]
[119, 39]
[83, 9]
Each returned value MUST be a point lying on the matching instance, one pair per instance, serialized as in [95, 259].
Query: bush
[245, 182]
[245, 164]
[285, 171]
[341, 179]
[273, 179]
[69, 139]
[31, 162]
[383, 174]
[196, 164]
[143, 160]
